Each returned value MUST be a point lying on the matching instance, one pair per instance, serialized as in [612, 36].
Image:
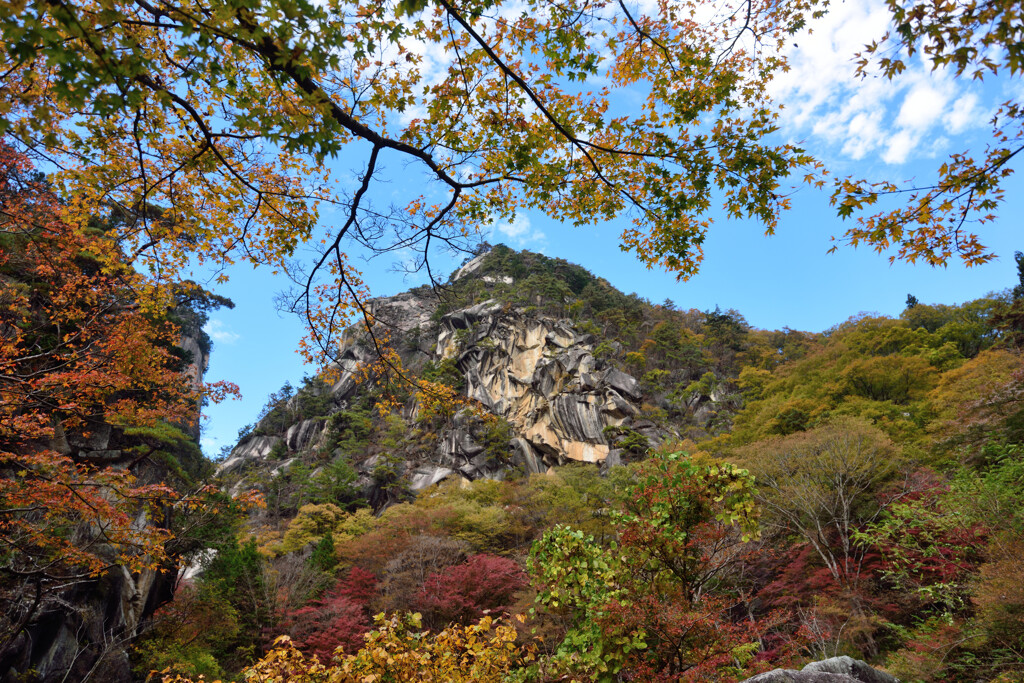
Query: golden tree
[206, 123]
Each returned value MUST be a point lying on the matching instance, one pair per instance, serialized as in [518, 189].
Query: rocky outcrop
[200, 361]
[470, 267]
[537, 372]
[83, 632]
[303, 433]
[540, 374]
[87, 638]
[835, 670]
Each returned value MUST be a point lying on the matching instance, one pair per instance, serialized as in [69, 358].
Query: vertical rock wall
[83, 632]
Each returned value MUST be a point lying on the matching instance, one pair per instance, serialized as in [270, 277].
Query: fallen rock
[835, 670]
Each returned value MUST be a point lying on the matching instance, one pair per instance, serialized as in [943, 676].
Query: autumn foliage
[483, 584]
[90, 386]
[398, 650]
[339, 619]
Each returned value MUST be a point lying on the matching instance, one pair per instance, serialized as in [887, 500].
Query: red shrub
[359, 586]
[463, 593]
[319, 629]
[339, 619]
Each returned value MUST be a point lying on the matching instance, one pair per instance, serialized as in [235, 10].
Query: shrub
[483, 584]
[325, 625]
[339, 619]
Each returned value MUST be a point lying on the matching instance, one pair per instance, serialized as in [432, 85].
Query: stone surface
[541, 376]
[303, 433]
[623, 383]
[428, 475]
[469, 267]
[835, 670]
[849, 666]
[793, 676]
[525, 457]
[255, 448]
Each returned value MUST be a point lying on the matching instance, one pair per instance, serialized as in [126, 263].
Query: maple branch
[525, 87]
[739, 34]
[644, 34]
[335, 247]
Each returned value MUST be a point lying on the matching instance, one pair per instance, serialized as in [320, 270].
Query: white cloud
[519, 227]
[863, 134]
[821, 60]
[519, 232]
[938, 146]
[219, 332]
[898, 147]
[873, 115]
[966, 113]
[922, 106]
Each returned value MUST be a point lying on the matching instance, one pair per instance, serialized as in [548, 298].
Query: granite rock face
[540, 374]
[83, 632]
[835, 670]
[87, 637]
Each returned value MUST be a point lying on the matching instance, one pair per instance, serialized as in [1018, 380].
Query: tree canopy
[204, 125]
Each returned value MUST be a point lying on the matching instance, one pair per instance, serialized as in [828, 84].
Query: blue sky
[872, 128]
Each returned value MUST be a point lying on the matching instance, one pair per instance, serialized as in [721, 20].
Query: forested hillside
[750, 500]
[515, 473]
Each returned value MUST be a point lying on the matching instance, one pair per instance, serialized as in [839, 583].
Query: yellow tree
[205, 124]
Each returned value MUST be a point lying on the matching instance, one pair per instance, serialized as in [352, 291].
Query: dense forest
[517, 473]
[852, 492]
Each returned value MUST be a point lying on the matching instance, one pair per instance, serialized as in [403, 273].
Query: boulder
[616, 406]
[614, 459]
[835, 670]
[428, 475]
[623, 383]
[848, 666]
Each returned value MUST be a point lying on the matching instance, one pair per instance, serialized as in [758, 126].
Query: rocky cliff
[83, 632]
[560, 390]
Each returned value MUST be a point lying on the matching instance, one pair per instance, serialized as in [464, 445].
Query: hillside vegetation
[782, 497]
